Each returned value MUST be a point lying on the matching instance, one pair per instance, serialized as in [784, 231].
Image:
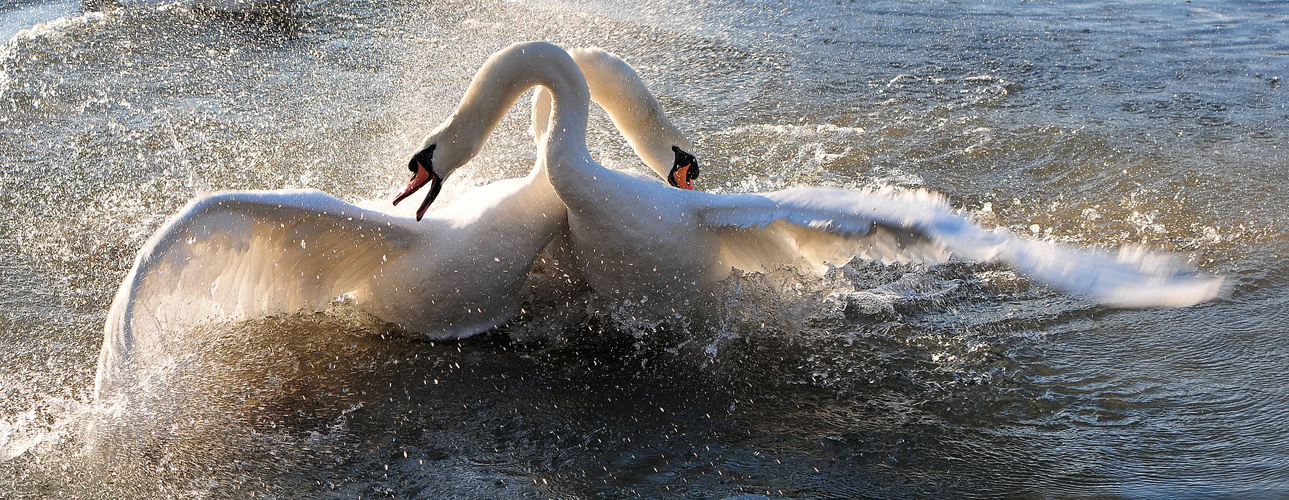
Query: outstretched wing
[239, 255]
[920, 226]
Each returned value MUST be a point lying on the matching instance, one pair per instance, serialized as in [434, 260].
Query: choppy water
[1106, 123]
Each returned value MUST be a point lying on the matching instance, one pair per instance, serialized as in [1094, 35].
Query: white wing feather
[240, 255]
[921, 226]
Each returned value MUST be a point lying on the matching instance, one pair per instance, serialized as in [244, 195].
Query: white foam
[803, 132]
[39, 428]
[21, 18]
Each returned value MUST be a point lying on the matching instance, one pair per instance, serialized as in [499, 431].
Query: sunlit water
[1106, 123]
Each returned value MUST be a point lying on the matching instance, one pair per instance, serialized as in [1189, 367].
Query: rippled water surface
[1098, 123]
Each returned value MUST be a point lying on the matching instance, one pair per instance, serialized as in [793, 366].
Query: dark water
[1106, 123]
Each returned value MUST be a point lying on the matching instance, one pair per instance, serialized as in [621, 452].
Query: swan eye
[425, 157]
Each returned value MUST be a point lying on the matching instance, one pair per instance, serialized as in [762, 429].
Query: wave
[28, 23]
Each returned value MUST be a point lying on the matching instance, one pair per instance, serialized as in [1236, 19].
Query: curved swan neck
[617, 88]
[508, 74]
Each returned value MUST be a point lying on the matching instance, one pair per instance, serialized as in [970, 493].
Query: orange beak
[421, 175]
[680, 177]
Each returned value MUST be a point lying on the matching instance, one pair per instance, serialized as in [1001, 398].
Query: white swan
[633, 238]
[239, 255]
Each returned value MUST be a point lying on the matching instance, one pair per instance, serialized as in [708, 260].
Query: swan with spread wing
[632, 237]
[450, 273]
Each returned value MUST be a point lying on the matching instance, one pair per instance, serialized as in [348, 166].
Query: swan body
[632, 237]
[455, 271]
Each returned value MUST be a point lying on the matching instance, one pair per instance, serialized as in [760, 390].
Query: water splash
[945, 381]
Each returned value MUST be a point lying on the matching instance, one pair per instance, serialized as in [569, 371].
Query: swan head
[617, 88]
[442, 152]
[422, 167]
[684, 170]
